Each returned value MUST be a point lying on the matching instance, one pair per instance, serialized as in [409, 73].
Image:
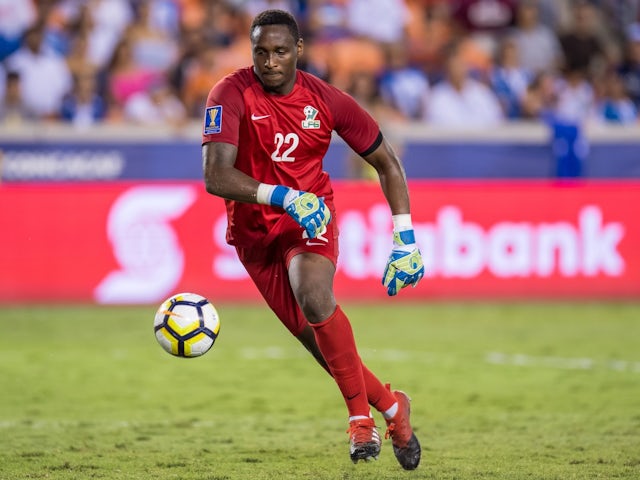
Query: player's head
[276, 46]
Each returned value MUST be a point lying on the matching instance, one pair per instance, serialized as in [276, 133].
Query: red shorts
[267, 265]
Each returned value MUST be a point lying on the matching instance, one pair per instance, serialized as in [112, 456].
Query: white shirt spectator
[157, 106]
[44, 79]
[473, 106]
[381, 20]
[576, 102]
[538, 45]
[406, 89]
[111, 18]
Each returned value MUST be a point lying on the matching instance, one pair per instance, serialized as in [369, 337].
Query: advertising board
[131, 242]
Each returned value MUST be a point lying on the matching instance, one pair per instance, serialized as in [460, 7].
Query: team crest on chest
[310, 121]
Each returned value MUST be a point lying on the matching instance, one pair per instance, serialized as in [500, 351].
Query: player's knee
[316, 306]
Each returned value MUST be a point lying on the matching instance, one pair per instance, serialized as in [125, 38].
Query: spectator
[350, 55]
[110, 19]
[429, 31]
[493, 16]
[484, 21]
[365, 90]
[344, 42]
[576, 101]
[164, 16]
[125, 77]
[84, 106]
[461, 101]
[191, 43]
[540, 98]
[390, 18]
[554, 14]
[152, 48]
[508, 79]
[206, 58]
[12, 107]
[616, 107]
[198, 78]
[582, 45]
[403, 86]
[77, 59]
[157, 106]
[80, 26]
[629, 70]
[538, 46]
[327, 21]
[224, 24]
[35, 62]
[332, 52]
[619, 15]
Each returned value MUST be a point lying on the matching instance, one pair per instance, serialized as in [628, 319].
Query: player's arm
[392, 177]
[362, 133]
[404, 266]
[224, 180]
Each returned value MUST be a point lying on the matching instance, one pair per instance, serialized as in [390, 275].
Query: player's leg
[267, 267]
[311, 278]
[394, 406]
[269, 272]
[378, 396]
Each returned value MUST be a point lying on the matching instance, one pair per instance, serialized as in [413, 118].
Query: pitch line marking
[432, 358]
[563, 363]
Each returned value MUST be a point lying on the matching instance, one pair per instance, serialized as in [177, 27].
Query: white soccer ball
[186, 325]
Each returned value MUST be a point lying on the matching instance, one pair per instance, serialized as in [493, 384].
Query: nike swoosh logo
[258, 117]
[353, 396]
[313, 244]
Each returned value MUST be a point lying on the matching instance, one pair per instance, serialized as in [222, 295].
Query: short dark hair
[276, 17]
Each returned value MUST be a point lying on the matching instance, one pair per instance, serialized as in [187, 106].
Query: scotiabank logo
[453, 247]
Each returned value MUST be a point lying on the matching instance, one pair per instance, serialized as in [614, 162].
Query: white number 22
[290, 141]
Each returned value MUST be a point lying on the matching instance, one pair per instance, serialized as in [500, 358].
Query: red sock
[379, 396]
[335, 340]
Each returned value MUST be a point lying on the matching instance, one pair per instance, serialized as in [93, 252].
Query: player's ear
[299, 48]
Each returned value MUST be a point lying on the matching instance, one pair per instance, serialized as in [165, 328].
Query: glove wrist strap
[403, 238]
[403, 230]
[273, 195]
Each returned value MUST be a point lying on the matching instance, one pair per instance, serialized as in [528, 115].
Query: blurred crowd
[452, 63]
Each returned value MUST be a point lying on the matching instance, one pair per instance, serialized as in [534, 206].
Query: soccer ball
[186, 325]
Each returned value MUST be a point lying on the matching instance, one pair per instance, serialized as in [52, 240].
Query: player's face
[275, 56]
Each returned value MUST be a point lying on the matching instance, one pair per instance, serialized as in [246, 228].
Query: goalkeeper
[266, 130]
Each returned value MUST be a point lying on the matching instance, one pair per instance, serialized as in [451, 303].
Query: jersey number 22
[285, 145]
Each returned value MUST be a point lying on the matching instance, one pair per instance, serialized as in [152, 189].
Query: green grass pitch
[500, 391]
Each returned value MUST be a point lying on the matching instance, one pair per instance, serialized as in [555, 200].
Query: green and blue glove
[309, 211]
[404, 266]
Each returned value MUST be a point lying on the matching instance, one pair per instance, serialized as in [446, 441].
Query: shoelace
[389, 433]
[363, 433]
[398, 442]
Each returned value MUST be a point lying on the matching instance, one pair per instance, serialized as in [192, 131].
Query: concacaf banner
[122, 243]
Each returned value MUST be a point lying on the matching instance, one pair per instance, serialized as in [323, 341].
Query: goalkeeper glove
[309, 211]
[404, 266]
